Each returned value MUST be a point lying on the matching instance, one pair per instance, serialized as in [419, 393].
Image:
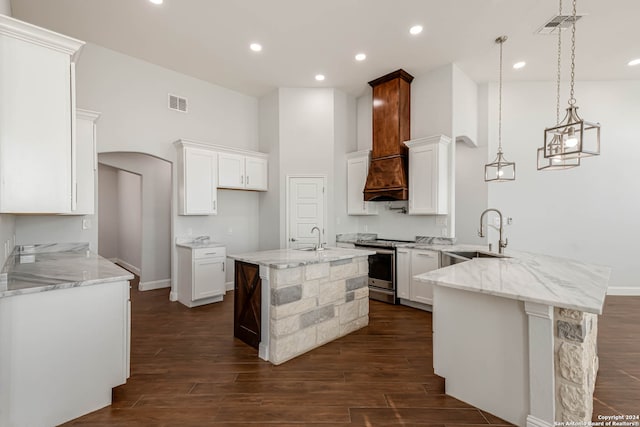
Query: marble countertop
[40, 268]
[291, 258]
[525, 276]
[200, 245]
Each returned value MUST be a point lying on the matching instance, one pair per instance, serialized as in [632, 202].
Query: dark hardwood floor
[188, 370]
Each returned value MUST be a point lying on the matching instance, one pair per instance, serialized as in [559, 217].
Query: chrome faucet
[501, 244]
[318, 247]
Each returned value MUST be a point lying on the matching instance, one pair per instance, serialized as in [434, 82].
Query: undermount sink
[312, 249]
[448, 258]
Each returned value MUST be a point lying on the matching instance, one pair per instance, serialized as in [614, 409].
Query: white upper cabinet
[86, 161]
[197, 180]
[429, 175]
[357, 170]
[242, 171]
[37, 119]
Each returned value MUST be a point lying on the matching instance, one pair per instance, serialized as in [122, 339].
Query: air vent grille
[177, 103]
[558, 22]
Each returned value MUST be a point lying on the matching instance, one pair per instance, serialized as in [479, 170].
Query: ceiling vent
[177, 103]
[561, 22]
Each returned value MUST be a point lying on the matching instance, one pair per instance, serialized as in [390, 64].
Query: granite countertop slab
[354, 237]
[40, 268]
[200, 245]
[524, 276]
[291, 258]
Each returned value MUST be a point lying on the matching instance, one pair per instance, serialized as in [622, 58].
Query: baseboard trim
[135, 270]
[156, 284]
[229, 286]
[624, 291]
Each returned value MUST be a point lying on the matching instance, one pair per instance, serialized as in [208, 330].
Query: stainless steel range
[382, 268]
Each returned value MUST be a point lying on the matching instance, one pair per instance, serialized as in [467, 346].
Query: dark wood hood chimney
[388, 177]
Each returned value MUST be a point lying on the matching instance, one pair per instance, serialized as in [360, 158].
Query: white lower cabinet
[409, 263]
[201, 275]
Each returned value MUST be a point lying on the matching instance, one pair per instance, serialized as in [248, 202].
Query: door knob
[293, 239]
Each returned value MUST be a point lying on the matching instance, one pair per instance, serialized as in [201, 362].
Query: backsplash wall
[391, 224]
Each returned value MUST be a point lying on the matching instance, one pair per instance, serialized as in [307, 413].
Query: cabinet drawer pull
[247, 179]
[427, 255]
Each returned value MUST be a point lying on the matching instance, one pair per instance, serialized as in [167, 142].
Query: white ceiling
[209, 39]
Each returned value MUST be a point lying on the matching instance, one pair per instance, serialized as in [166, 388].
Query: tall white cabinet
[37, 119]
[197, 180]
[357, 171]
[86, 161]
[429, 190]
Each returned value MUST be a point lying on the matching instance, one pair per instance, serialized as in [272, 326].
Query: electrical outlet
[189, 231]
[86, 224]
[443, 232]
[366, 228]
[509, 221]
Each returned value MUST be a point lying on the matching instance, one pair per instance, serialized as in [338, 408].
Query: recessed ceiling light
[415, 30]
[156, 1]
[319, 77]
[634, 62]
[256, 47]
[519, 65]
[361, 57]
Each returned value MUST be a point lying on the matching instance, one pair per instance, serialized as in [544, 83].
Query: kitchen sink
[448, 258]
[312, 249]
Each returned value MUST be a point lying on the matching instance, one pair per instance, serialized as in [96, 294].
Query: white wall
[269, 222]
[5, 7]
[432, 112]
[108, 205]
[7, 233]
[132, 96]
[344, 107]
[130, 225]
[589, 213]
[154, 227]
[306, 125]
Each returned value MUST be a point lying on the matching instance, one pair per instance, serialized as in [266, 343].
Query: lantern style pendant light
[573, 137]
[556, 162]
[500, 170]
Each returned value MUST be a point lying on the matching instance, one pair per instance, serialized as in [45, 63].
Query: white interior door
[306, 210]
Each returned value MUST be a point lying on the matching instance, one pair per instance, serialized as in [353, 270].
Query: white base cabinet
[412, 262]
[357, 171]
[429, 190]
[37, 119]
[201, 275]
[62, 352]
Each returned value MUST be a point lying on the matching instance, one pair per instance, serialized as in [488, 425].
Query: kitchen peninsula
[290, 301]
[516, 336]
[64, 333]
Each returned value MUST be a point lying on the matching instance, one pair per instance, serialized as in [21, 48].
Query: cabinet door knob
[293, 239]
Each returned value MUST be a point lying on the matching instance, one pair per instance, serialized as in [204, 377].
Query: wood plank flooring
[188, 370]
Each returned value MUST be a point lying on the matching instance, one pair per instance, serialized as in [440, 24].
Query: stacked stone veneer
[314, 304]
[576, 364]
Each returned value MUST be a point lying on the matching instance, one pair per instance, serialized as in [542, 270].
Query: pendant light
[500, 170]
[556, 162]
[573, 137]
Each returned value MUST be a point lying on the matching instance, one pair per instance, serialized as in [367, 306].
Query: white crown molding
[218, 148]
[434, 139]
[87, 114]
[29, 33]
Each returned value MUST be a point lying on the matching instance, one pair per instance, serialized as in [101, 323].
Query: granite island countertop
[291, 258]
[525, 276]
[46, 267]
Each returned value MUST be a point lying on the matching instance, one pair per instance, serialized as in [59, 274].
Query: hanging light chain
[572, 100]
[558, 77]
[500, 40]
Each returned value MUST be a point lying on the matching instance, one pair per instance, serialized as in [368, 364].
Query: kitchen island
[290, 301]
[64, 333]
[516, 336]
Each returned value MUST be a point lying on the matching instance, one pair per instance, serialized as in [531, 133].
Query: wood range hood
[388, 171]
